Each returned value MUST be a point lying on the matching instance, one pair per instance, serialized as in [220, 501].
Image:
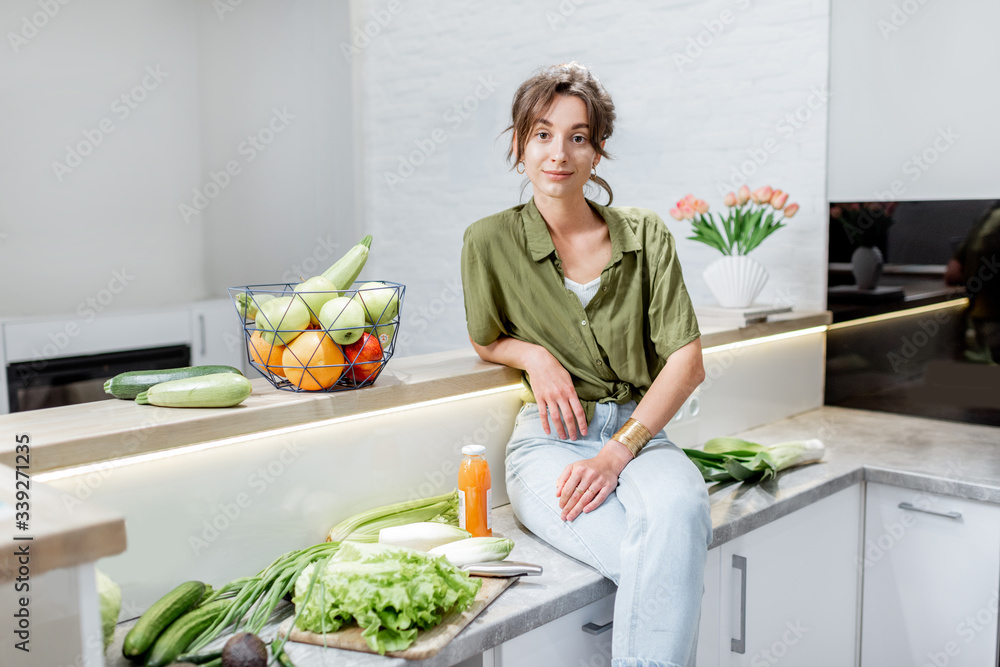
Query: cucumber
[182, 632]
[164, 611]
[347, 269]
[128, 385]
[220, 390]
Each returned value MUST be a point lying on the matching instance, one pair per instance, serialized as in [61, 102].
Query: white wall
[683, 125]
[914, 101]
[288, 211]
[65, 234]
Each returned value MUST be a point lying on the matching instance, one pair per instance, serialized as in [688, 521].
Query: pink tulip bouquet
[751, 218]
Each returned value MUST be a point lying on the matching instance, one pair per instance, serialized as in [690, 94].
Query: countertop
[90, 433]
[56, 534]
[961, 460]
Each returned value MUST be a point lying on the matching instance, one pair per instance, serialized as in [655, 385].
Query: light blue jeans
[650, 536]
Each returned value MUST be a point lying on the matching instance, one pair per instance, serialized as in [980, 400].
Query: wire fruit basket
[319, 341]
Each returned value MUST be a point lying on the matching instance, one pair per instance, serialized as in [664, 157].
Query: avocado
[244, 650]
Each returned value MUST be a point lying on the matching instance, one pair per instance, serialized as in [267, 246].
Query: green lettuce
[390, 592]
[110, 596]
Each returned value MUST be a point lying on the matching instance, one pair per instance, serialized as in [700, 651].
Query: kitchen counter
[920, 288]
[58, 534]
[91, 433]
[961, 460]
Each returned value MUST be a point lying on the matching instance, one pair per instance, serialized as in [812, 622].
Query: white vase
[866, 265]
[735, 280]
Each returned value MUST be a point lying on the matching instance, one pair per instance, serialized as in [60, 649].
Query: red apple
[366, 354]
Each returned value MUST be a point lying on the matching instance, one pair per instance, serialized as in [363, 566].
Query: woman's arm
[598, 476]
[551, 384]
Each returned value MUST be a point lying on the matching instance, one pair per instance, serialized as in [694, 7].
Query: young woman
[589, 302]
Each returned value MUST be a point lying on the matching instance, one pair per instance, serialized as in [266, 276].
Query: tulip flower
[700, 205]
[762, 195]
[676, 214]
[687, 211]
[730, 200]
[744, 195]
[778, 199]
[835, 212]
[791, 210]
[689, 198]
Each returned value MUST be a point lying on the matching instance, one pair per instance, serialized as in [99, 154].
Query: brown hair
[535, 95]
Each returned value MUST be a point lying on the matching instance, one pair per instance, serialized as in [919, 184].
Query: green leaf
[724, 445]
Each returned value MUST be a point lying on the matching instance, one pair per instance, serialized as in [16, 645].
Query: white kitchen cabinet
[708, 630]
[580, 638]
[931, 569]
[583, 637]
[216, 334]
[790, 589]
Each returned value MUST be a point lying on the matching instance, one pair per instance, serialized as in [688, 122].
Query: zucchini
[219, 390]
[247, 306]
[347, 269]
[128, 385]
[163, 612]
[182, 632]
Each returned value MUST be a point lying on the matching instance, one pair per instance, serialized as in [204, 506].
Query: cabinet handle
[201, 329]
[740, 645]
[948, 515]
[595, 629]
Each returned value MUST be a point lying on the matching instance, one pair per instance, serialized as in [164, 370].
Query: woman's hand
[555, 394]
[584, 485]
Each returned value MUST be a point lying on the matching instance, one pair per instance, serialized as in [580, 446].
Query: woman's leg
[535, 461]
[668, 530]
[650, 537]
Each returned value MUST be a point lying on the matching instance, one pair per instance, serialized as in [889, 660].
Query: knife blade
[503, 568]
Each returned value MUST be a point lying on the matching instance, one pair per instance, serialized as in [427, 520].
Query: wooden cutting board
[428, 642]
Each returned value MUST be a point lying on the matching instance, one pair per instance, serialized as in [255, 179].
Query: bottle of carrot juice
[475, 512]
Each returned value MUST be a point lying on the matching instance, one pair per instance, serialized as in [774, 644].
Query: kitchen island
[199, 489]
[922, 455]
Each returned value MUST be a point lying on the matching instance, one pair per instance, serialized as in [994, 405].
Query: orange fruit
[264, 353]
[313, 361]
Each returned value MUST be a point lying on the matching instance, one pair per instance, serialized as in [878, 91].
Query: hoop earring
[522, 167]
[593, 173]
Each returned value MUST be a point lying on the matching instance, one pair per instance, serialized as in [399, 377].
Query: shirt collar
[540, 241]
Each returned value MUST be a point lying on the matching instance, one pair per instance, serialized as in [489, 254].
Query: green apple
[384, 333]
[282, 318]
[343, 319]
[379, 302]
[314, 293]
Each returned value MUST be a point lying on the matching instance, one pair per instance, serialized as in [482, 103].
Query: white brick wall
[683, 126]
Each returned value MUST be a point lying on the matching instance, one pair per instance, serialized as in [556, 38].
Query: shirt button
[583, 323]
[604, 289]
[600, 363]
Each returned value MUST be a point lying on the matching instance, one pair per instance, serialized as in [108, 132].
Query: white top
[584, 292]
[473, 450]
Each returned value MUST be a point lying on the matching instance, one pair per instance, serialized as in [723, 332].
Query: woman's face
[558, 156]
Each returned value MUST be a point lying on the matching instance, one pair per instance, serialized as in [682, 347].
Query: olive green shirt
[615, 347]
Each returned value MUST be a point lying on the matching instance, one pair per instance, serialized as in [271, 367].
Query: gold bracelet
[633, 435]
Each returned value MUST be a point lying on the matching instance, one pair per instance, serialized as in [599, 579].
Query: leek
[729, 459]
[365, 526]
[475, 550]
[422, 536]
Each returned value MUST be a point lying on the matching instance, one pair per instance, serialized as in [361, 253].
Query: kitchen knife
[503, 568]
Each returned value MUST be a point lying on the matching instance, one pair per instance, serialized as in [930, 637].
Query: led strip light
[212, 444]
